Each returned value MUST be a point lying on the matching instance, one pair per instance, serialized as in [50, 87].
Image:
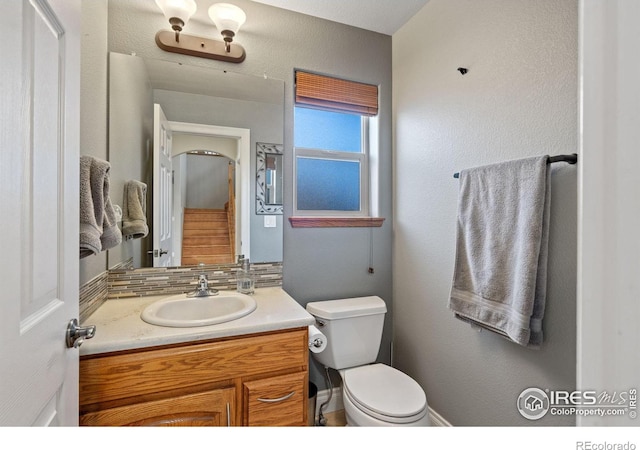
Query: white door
[608, 353]
[162, 190]
[39, 192]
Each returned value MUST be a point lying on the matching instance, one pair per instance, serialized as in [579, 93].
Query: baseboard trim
[336, 404]
[437, 420]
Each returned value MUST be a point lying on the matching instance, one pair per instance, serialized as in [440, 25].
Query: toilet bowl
[374, 394]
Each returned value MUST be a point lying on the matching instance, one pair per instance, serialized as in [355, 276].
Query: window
[331, 163]
[331, 146]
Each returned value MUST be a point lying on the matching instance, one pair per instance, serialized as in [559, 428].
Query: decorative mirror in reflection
[268, 178]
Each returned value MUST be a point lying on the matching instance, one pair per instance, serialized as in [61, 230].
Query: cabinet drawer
[276, 401]
[212, 408]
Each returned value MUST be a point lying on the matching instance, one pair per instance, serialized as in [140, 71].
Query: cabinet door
[276, 401]
[211, 408]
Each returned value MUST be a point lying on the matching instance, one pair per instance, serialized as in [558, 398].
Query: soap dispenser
[245, 281]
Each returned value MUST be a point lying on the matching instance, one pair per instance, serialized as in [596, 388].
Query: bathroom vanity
[251, 371]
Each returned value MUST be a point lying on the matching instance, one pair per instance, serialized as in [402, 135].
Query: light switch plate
[269, 221]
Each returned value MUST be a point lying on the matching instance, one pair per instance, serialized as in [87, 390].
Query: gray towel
[500, 271]
[134, 214]
[111, 235]
[90, 231]
[98, 227]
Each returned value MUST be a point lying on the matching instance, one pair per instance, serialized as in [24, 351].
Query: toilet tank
[353, 327]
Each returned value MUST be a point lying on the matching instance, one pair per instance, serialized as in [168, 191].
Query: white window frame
[332, 155]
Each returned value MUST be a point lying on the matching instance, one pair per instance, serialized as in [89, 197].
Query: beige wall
[518, 99]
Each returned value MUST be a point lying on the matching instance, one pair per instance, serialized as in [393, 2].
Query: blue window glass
[329, 160]
[327, 185]
[326, 130]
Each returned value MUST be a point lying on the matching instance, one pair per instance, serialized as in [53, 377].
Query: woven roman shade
[335, 94]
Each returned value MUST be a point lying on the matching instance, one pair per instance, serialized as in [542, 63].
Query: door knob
[76, 335]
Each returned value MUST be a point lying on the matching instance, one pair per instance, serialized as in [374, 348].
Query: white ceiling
[382, 16]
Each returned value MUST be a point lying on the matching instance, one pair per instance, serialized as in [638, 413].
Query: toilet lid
[384, 391]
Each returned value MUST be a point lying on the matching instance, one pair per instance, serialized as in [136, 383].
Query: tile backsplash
[176, 280]
[93, 294]
[123, 282]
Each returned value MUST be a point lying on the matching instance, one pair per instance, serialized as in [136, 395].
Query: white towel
[98, 227]
[134, 214]
[500, 271]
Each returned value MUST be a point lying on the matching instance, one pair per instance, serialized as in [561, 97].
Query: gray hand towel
[111, 235]
[98, 228]
[90, 231]
[500, 271]
[134, 214]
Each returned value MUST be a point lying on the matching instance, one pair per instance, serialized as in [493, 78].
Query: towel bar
[571, 159]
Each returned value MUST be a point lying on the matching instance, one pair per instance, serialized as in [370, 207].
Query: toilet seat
[385, 393]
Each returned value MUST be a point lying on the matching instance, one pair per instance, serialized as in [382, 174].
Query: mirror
[195, 100]
[269, 176]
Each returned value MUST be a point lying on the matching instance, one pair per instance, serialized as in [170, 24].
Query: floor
[335, 418]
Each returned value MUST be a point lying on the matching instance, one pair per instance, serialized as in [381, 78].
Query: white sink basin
[181, 311]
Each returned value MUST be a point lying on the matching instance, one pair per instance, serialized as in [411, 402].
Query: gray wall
[130, 144]
[93, 103]
[207, 184]
[318, 263]
[518, 99]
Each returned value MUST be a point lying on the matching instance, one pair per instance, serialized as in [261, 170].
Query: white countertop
[119, 326]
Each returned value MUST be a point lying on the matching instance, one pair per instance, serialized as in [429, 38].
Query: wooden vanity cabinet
[253, 380]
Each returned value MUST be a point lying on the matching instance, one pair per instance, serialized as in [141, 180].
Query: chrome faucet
[203, 289]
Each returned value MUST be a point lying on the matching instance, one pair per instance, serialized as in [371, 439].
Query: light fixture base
[200, 47]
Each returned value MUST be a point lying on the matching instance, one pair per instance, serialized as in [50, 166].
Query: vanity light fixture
[178, 13]
[226, 17]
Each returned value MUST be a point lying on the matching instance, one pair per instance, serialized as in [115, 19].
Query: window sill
[335, 222]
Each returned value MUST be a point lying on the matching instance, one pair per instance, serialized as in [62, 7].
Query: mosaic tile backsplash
[93, 294]
[177, 280]
[124, 282]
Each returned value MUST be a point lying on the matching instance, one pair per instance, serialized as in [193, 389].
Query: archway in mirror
[204, 205]
[210, 199]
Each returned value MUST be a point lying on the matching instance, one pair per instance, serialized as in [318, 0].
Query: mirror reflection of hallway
[204, 200]
[200, 102]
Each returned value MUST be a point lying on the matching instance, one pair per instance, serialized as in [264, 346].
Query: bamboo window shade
[335, 94]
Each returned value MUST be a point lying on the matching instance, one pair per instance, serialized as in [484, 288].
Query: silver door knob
[76, 335]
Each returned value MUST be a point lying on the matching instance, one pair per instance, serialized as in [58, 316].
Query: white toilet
[373, 394]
